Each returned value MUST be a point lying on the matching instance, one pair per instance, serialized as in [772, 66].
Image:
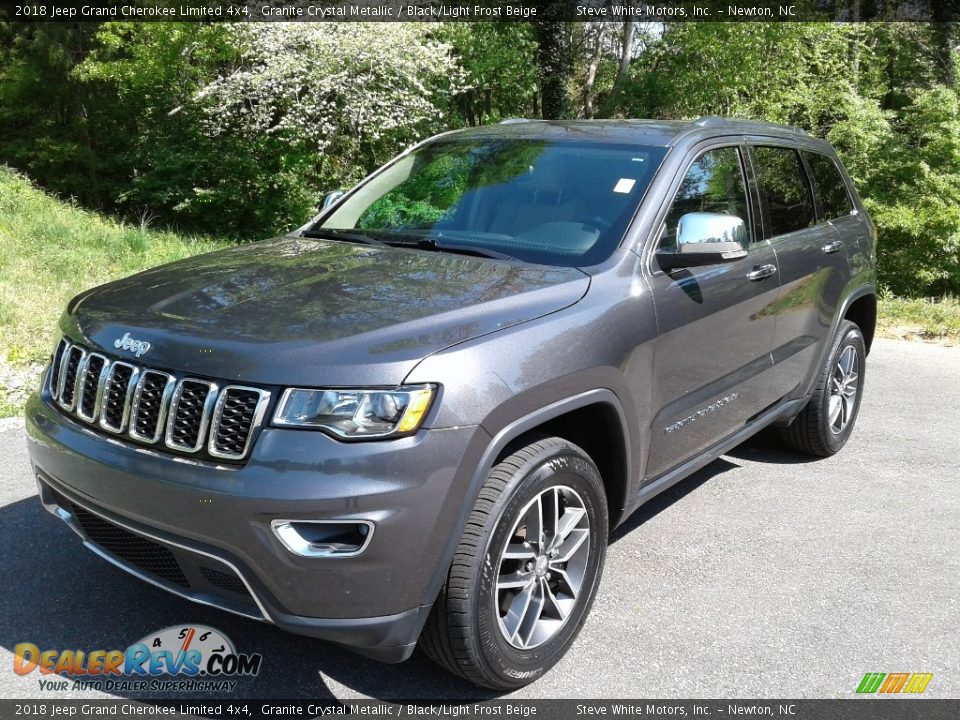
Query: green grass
[51, 250]
[920, 318]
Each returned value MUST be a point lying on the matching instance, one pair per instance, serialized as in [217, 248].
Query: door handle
[764, 271]
[832, 247]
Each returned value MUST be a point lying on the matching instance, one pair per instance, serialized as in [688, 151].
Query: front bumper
[204, 532]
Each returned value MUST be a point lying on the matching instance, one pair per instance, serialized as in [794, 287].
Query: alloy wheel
[844, 387]
[542, 566]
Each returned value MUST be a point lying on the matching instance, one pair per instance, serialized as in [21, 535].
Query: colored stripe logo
[891, 683]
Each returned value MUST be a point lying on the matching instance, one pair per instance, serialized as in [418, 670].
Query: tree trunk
[626, 57]
[588, 84]
[944, 36]
[855, 43]
[553, 59]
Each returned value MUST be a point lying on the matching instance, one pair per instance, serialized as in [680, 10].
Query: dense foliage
[237, 130]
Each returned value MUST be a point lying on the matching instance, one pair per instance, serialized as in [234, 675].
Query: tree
[346, 91]
[499, 75]
[45, 113]
[555, 64]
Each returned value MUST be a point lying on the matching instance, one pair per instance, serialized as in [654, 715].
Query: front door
[712, 353]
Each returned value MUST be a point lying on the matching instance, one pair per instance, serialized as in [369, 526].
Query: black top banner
[480, 10]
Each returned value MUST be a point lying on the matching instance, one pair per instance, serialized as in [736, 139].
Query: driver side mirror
[331, 198]
[705, 239]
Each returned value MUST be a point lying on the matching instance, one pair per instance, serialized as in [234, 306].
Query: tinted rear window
[834, 200]
[784, 186]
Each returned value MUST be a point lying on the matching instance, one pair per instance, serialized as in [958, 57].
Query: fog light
[324, 538]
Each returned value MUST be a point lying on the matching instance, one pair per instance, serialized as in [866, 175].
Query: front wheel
[825, 424]
[526, 569]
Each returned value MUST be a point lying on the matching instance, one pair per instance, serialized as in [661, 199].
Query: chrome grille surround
[55, 367]
[150, 404]
[186, 415]
[190, 415]
[217, 447]
[123, 395]
[90, 381]
[69, 374]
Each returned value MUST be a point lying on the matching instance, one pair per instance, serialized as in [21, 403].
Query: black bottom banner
[851, 709]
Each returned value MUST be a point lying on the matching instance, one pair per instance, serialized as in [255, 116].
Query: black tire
[463, 634]
[812, 431]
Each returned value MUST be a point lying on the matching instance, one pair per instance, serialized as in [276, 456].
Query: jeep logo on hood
[137, 347]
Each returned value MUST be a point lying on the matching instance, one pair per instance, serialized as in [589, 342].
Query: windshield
[548, 202]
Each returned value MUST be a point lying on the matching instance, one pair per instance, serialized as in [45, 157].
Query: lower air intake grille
[147, 555]
[223, 580]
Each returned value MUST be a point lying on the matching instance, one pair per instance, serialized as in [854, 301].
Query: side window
[831, 190]
[713, 184]
[783, 184]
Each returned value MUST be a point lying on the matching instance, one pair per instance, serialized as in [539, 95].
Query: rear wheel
[526, 570]
[825, 424]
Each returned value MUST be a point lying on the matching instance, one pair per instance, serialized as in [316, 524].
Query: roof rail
[709, 121]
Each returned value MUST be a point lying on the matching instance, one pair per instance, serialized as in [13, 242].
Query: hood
[297, 311]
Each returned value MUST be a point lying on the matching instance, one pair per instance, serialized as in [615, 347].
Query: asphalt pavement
[764, 575]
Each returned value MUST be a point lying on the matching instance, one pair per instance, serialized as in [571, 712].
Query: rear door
[713, 347]
[812, 260]
[836, 207]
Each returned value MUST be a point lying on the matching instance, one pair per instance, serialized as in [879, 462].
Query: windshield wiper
[421, 243]
[437, 245]
[329, 234]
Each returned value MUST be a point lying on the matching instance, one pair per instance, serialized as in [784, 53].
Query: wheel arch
[599, 430]
[561, 418]
[862, 310]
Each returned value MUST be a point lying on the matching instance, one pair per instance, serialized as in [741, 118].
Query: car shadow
[59, 595]
[671, 495]
[766, 447]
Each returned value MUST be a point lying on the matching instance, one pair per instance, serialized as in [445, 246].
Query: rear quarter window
[829, 186]
[784, 188]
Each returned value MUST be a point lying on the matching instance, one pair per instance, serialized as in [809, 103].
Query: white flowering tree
[348, 91]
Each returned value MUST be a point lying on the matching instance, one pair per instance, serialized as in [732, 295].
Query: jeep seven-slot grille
[189, 414]
[90, 386]
[71, 366]
[116, 395]
[57, 360]
[236, 411]
[186, 415]
[149, 403]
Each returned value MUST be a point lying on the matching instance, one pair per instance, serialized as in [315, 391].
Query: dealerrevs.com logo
[197, 657]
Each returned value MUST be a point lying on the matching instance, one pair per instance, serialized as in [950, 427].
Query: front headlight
[356, 413]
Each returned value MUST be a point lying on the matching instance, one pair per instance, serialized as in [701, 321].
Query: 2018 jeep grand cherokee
[419, 416]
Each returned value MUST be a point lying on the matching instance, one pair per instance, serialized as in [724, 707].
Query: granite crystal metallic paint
[670, 369]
